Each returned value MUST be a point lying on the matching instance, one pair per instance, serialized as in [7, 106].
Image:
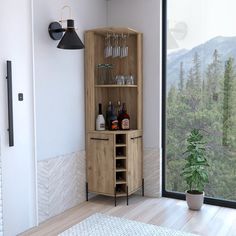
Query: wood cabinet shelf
[121, 194]
[120, 158]
[120, 145]
[120, 169]
[114, 159]
[121, 182]
[115, 86]
[115, 131]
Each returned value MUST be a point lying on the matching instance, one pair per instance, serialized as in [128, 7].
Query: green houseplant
[195, 171]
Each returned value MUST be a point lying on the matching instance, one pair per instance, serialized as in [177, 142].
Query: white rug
[104, 225]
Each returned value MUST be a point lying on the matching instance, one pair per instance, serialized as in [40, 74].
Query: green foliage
[228, 104]
[181, 77]
[195, 170]
[206, 101]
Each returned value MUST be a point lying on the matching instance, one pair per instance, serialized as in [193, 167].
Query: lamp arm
[57, 30]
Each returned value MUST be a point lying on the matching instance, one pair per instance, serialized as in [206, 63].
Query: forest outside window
[200, 91]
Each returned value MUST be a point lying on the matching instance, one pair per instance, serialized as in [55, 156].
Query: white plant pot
[194, 201]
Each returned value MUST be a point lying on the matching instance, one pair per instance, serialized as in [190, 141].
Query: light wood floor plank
[200, 219]
[222, 222]
[171, 213]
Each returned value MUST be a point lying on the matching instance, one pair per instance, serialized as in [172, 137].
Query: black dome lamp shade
[70, 39]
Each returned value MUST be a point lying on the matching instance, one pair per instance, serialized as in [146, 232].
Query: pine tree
[181, 77]
[172, 95]
[229, 77]
[190, 80]
[194, 85]
[214, 75]
[197, 72]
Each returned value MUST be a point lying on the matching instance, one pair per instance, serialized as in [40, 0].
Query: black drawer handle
[136, 137]
[100, 139]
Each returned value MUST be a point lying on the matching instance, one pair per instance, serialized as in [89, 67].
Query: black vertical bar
[143, 187]
[10, 104]
[164, 53]
[86, 191]
[115, 196]
[127, 195]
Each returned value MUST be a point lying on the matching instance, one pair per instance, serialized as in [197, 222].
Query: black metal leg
[86, 191]
[143, 187]
[115, 196]
[127, 195]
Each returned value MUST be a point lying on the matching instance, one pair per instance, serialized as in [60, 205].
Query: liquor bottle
[118, 108]
[100, 121]
[108, 114]
[124, 119]
[113, 122]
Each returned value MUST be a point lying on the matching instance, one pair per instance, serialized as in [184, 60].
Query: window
[199, 91]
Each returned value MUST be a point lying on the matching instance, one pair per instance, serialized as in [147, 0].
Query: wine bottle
[100, 121]
[118, 108]
[124, 119]
[113, 122]
[108, 114]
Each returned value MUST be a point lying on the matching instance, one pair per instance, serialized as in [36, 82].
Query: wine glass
[108, 46]
[116, 46]
[124, 46]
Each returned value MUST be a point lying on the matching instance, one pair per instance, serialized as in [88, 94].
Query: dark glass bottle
[124, 119]
[108, 114]
[113, 122]
[118, 108]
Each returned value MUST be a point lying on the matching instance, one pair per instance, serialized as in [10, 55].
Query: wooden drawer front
[100, 163]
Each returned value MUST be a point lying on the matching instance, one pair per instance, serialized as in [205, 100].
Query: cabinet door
[100, 163]
[135, 161]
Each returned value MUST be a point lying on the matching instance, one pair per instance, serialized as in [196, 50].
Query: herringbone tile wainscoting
[61, 181]
[61, 184]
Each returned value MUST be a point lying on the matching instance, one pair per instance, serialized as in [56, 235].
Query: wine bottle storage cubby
[121, 177]
[121, 139]
[120, 189]
[120, 164]
[120, 151]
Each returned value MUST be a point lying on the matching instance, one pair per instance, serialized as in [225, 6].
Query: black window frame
[165, 193]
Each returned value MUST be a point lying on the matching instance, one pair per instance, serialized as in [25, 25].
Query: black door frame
[165, 193]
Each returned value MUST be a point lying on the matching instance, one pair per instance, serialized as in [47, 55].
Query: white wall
[17, 163]
[144, 16]
[59, 76]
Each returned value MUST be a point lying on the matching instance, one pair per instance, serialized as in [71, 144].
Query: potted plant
[195, 170]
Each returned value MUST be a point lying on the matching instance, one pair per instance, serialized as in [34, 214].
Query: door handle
[100, 139]
[136, 137]
[10, 104]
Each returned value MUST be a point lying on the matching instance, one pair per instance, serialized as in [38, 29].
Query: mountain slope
[226, 47]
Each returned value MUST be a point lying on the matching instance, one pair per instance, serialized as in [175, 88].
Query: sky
[205, 19]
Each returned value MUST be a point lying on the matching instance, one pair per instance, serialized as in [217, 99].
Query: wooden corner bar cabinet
[114, 159]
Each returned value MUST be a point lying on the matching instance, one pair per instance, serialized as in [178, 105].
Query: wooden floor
[211, 220]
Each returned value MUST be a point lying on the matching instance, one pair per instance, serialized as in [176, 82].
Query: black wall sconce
[70, 39]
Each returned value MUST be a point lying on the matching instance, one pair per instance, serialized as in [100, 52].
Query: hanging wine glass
[116, 46]
[124, 46]
[108, 46]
